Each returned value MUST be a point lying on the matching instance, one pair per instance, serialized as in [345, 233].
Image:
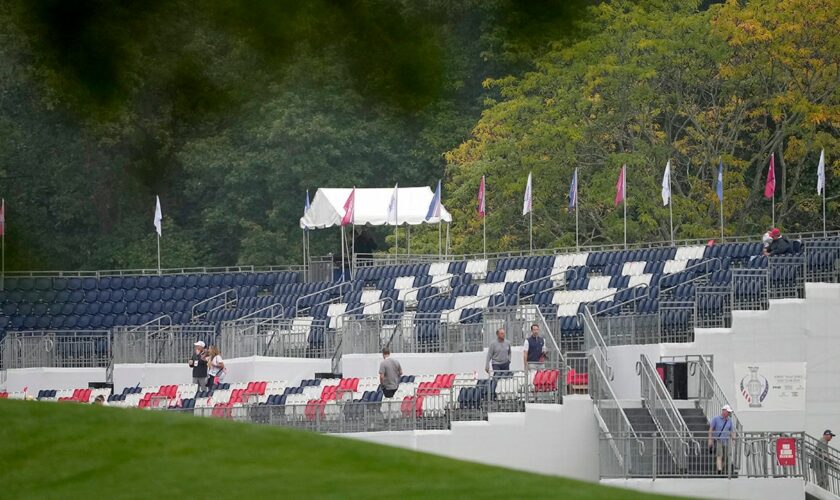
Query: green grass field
[50, 450]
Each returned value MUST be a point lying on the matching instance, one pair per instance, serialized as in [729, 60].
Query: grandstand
[643, 349]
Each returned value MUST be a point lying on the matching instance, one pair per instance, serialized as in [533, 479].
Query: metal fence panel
[160, 344]
[57, 349]
[278, 337]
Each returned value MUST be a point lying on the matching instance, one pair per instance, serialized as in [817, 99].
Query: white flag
[158, 217]
[821, 174]
[666, 185]
[392, 206]
[526, 205]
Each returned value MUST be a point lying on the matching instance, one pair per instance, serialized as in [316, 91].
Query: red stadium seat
[412, 406]
[4, 395]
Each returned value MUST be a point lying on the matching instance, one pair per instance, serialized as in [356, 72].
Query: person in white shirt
[216, 370]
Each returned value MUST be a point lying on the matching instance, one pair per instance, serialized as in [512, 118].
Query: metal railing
[340, 287]
[822, 261]
[619, 454]
[555, 284]
[278, 337]
[786, 275]
[228, 299]
[153, 343]
[385, 259]
[56, 349]
[665, 415]
[711, 397]
[806, 457]
[153, 271]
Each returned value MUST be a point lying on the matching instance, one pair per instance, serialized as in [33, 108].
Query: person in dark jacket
[779, 246]
[198, 363]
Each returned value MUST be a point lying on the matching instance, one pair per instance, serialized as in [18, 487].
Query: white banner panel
[770, 386]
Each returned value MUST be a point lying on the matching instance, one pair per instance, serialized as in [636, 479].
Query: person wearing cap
[198, 363]
[779, 245]
[821, 463]
[721, 432]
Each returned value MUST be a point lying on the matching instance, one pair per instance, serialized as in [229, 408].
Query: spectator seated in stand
[779, 244]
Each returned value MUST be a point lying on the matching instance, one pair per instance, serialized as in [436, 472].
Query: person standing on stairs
[721, 434]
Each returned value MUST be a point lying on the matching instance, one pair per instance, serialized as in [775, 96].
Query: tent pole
[447, 238]
[342, 253]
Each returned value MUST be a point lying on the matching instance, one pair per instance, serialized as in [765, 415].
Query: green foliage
[232, 111]
[649, 82]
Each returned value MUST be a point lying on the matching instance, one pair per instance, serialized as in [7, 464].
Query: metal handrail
[552, 288]
[154, 271]
[314, 294]
[488, 298]
[272, 307]
[712, 393]
[225, 293]
[592, 334]
[598, 378]
[704, 263]
[416, 290]
[663, 412]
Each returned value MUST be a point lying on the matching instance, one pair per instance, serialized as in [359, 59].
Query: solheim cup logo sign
[755, 389]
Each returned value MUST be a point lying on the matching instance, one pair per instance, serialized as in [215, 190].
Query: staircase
[644, 426]
[699, 461]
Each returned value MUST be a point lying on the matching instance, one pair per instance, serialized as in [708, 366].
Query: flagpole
[342, 253]
[303, 249]
[440, 248]
[577, 210]
[721, 220]
[825, 233]
[3, 245]
[158, 246]
[484, 230]
[773, 207]
[352, 258]
[671, 206]
[624, 189]
[408, 238]
[447, 239]
[531, 230]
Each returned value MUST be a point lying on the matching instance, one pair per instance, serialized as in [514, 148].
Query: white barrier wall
[36, 379]
[549, 439]
[791, 330]
[291, 370]
[740, 488]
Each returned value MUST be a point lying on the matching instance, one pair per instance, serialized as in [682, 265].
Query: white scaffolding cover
[327, 208]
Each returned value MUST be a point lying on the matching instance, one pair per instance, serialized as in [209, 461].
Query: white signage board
[769, 386]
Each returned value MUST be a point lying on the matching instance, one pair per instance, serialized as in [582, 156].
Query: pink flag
[770, 185]
[349, 209]
[482, 211]
[620, 185]
[2, 217]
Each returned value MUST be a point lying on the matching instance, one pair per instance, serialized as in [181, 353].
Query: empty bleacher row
[429, 294]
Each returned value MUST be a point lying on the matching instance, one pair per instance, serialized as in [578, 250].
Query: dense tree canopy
[232, 111]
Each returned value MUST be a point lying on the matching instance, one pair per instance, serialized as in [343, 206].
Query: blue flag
[573, 192]
[720, 182]
[434, 206]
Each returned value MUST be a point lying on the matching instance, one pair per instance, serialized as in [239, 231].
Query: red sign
[786, 451]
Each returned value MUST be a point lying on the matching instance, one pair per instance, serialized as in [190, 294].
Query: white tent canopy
[371, 207]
